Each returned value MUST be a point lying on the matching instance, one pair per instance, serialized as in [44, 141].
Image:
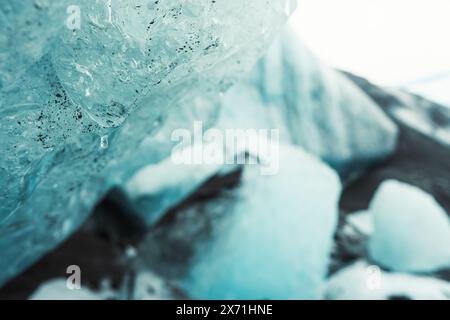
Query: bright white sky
[391, 42]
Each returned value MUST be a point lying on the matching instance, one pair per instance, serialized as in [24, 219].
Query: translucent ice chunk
[27, 29]
[76, 103]
[275, 238]
[156, 188]
[411, 230]
[314, 107]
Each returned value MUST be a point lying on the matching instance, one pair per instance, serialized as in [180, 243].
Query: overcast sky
[391, 42]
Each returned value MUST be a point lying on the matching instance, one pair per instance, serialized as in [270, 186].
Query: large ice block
[77, 99]
[313, 105]
[267, 237]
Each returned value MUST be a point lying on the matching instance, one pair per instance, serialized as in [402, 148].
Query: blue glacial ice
[275, 240]
[158, 187]
[76, 103]
[314, 107]
[411, 230]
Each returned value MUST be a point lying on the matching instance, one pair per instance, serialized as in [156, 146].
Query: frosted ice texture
[75, 104]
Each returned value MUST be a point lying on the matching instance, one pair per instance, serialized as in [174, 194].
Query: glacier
[411, 230]
[77, 103]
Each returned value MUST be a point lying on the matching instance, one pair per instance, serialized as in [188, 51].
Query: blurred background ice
[401, 43]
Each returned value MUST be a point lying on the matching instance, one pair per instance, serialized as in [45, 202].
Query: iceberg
[312, 105]
[276, 238]
[411, 230]
[157, 188]
[76, 103]
[268, 237]
[288, 90]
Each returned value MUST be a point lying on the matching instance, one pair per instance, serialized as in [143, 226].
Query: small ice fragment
[411, 230]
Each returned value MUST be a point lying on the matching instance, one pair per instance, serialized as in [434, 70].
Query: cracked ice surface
[75, 103]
